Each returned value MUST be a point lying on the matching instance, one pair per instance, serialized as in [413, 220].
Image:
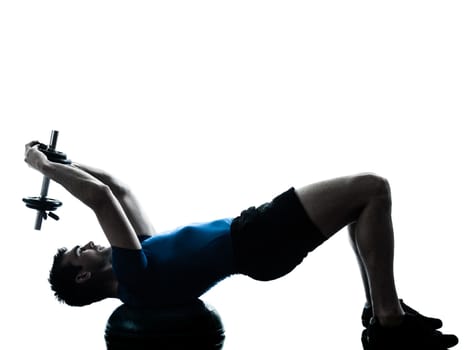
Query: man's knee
[375, 186]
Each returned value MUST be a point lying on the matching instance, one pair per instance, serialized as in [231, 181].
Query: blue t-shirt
[175, 266]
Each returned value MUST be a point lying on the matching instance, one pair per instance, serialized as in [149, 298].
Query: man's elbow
[120, 190]
[99, 196]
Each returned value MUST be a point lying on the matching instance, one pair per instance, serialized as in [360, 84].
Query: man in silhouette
[143, 268]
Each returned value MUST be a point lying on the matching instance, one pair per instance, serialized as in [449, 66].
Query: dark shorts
[271, 240]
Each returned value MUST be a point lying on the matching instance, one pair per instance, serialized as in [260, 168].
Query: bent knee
[376, 186]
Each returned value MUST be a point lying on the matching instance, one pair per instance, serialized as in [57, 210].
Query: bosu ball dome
[195, 325]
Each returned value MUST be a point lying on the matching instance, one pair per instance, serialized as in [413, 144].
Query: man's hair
[62, 279]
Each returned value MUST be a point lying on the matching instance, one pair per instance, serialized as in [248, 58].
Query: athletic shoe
[413, 333]
[433, 323]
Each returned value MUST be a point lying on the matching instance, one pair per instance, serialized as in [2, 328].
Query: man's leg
[362, 269]
[434, 323]
[364, 201]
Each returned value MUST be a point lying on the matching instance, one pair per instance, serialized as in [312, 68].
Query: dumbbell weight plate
[53, 155]
[39, 203]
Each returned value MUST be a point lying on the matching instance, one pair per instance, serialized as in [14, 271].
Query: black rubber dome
[189, 326]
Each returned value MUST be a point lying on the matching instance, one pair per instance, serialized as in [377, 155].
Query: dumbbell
[44, 205]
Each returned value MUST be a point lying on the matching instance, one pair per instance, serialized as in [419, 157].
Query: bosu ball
[192, 326]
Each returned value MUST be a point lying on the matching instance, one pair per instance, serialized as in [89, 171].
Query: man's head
[82, 275]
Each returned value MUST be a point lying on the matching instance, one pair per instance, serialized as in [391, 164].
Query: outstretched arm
[92, 192]
[135, 213]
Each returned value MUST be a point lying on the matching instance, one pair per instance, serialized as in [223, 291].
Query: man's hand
[33, 156]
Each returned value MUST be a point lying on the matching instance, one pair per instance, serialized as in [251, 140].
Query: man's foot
[413, 333]
[433, 323]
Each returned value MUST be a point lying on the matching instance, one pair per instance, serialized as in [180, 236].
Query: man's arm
[135, 213]
[92, 192]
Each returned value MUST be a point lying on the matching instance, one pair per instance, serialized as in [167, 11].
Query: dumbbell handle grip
[46, 180]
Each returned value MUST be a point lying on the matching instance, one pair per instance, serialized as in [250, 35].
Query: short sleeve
[129, 265]
[143, 238]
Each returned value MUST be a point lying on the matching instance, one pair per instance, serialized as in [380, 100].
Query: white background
[208, 107]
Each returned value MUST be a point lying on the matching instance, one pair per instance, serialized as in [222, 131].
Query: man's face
[91, 257]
